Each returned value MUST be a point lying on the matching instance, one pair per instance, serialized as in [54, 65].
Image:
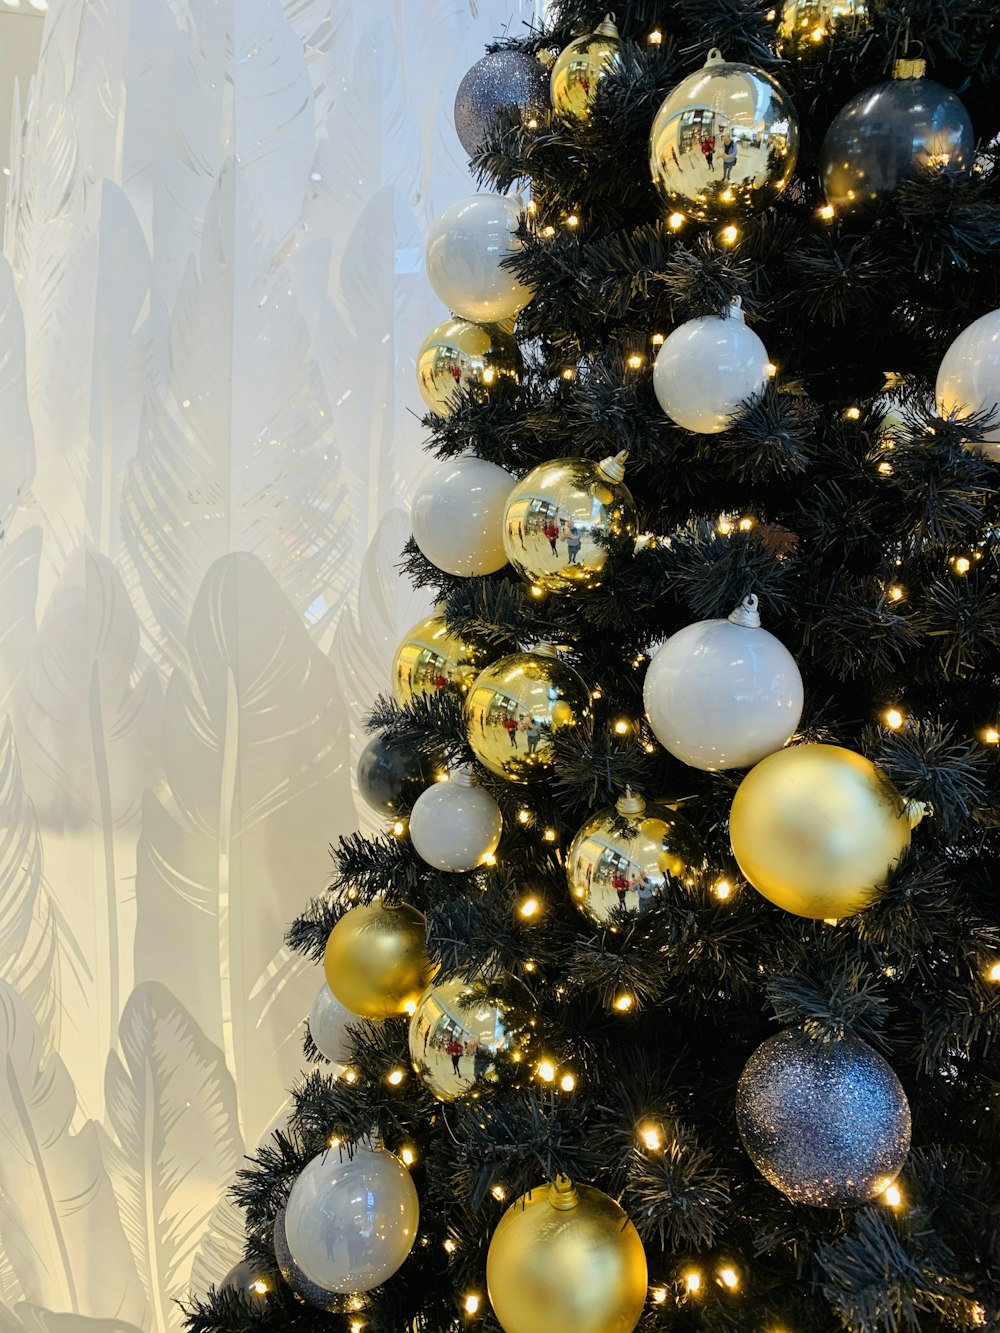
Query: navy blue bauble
[501, 79]
[391, 780]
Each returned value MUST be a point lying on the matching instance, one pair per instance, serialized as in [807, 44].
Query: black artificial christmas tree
[771, 1039]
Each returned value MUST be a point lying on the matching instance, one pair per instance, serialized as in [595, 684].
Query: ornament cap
[746, 614]
[915, 811]
[607, 27]
[463, 775]
[613, 468]
[715, 57]
[543, 649]
[735, 310]
[563, 1195]
[910, 69]
[630, 804]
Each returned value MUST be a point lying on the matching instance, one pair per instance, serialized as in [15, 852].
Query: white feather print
[58, 1219]
[19, 560]
[321, 26]
[171, 1108]
[34, 1319]
[17, 441]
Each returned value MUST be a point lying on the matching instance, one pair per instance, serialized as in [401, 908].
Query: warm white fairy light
[471, 1304]
[853, 413]
[651, 1136]
[961, 564]
[410, 1008]
[675, 221]
[896, 593]
[550, 835]
[722, 889]
[994, 972]
[730, 235]
[659, 1295]
[567, 1082]
[572, 221]
[655, 38]
[546, 1071]
[395, 1077]
[623, 1003]
[991, 736]
[529, 907]
[499, 1193]
[408, 1155]
[350, 1076]
[892, 1196]
[746, 523]
[894, 718]
[634, 362]
[692, 1281]
[729, 1278]
[658, 340]
[450, 1246]
[260, 1287]
[399, 828]
[623, 727]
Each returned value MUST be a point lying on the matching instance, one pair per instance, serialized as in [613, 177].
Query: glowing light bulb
[994, 973]
[499, 1193]
[524, 816]
[818, 34]
[655, 37]
[536, 591]
[569, 373]
[692, 1280]
[334, 1141]
[572, 220]
[547, 1071]
[729, 1278]
[659, 1295]
[350, 1076]
[550, 835]
[722, 889]
[567, 1082]
[622, 727]
[529, 965]
[357, 1326]
[410, 1008]
[408, 1155]
[675, 221]
[529, 907]
[962, 564]
[442, 775]
[893, 718]
[651, 1137]
[532, 124]
[623, 1003]
[657, 340]
[596, 694]
[853, 413]
[395, 1077]
[450, 1246]
[649, 747]
[634, 361]
[991, 736]
[399, 828]
[896, 593]
[746, 524]
[724, 526]
[892, 1196]
[771, 369]
[471, 1304]
[548, 231]
[489, 374]
[260, 1287]
[730, 235]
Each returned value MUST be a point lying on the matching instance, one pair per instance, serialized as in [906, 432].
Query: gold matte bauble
[582, 67]
[559, 518]
[376, 960]
[464, 1039]
[816, 829]
[516, 705]
[461, 355]
[431, 659]
[724, 142]
[566, 1259]
[622, 858]
[807, 25]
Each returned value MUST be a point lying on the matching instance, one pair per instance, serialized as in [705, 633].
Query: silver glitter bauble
[501, 79]
[828, 1124]
[309, 1292]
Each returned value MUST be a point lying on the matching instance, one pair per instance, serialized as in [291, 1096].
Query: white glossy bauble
[707, 369]
[457, 515]
[350, 1223]
[464, 249]
[969, 379]
[328, 1024]
[723, 693]
[455, 825]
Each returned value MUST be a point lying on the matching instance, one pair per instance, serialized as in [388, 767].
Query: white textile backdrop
[211, 294]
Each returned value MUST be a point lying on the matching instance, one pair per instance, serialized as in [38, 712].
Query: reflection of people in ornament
[728, 155]
[619, 883]
[644, 890]
[456, 1050]
[480, 1062]
[533, 734]
[510, 726]
[573, 544]
[708, 148]
[551, 531]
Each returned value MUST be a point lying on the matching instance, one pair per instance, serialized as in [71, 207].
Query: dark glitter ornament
[501, 79]
[309, 1292]
[828, 1124]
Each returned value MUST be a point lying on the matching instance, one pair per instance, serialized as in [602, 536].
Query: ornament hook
[746, 614]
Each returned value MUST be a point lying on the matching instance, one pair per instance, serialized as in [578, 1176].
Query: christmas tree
[677, 1006]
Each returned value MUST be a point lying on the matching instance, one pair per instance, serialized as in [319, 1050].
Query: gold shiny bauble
[464, 1040]
[431, 659]
[566, 1259]
[622, 858]
[560, 515]
[376, 960]
[515, 706]
[582, 67]
[725, 141]
[816, 829]
[807, 26]
[462, 355]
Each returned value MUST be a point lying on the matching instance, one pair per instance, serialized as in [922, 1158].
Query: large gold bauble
[724, 142]
[582, 67]
[816, 829]
[807, 25]
[461, 355]
[515, 706]
[566, 1259]
[622, 858]
[464, 1040]
[431, 659]
[559, 516]
[376, 960]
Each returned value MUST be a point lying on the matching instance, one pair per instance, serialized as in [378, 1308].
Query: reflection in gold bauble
[559, 517]
[807, 25]
[725, 141]
[621, 858]
[376, 960]
[461, 355]
[582, 67]
[430, 659]
[566, 1259]
[515, 706]
[816, 829]
[463, 1039]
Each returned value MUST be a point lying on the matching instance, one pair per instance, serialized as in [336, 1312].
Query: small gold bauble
[431, 659]
[725, 141]
[376, 960]
[461, 355]
[559, 517]
[816, 829]
[807, 25]
[464, 1039]
[621, 858]
[515, 706]
[582, 67]
[566, 1259]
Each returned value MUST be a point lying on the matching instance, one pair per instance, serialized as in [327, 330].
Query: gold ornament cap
[631, 804]
[607, 27]
[563, 1195]
[613, 468]
[746, 614]
[543, 649]
[910, 69]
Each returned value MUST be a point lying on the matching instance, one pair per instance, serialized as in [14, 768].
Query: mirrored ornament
[566, 1258]
[461, 356]
[500, 79]
[904, 128]
[307, 1291]
[329, 1021]
[457, 515]
[431, 659]
[623, 858]
[465, 1038]
[560, 517]
[816, 829]
[376, 960]
[827, 1123]
[582, 67]
[251, 1282]
[464, 249]
[390, 779]
[724, 142]
[723, 693]
[968, 381]
[456, 825]
[708, 369]
[515, 708]
[807, 26]
[350, 1222]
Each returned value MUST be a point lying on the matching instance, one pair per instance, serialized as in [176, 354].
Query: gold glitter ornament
[431, 659]
[514, 708]
[459, 355]
[582, 67]
[376, 960]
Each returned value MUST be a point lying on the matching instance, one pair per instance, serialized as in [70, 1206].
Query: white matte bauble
[723, 693]
[707, 369]
[455, 825]
[969, 379]
[328, 1024]
[351, 1222]
[464, 249]
[457, 515]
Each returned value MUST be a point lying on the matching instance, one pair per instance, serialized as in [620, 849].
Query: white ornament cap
[607, 27]
[915, 811]
[630, 804]
[735, 310]
[746, 613]
[715, 57]
[464, 775]
[613, 468]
